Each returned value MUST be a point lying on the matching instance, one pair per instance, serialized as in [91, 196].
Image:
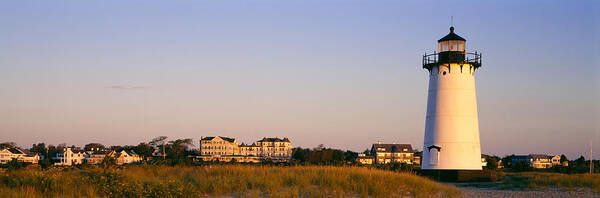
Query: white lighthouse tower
[451, 124]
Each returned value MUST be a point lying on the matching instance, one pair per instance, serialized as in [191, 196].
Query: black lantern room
[451, 49]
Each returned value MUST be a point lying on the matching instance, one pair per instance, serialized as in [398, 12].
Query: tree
[53, 150]
[8, 145]
[492, 162]
[563, 158]
[45, 163]
[507, 160]
[93, 146]
[39, 148]
[300, 154]
[144, 149]
[367, 152]
[160, 140]
[521, 166]
[108, 161]
[116, 148]
[350, 156]
[177, 148]
[14, 164]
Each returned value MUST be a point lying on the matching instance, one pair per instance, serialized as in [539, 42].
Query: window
[434, 154]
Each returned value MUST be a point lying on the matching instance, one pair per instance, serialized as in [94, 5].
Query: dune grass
[217, 180]
[540, 180]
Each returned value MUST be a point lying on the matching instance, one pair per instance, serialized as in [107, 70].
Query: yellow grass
[540, 180]
[216, 180]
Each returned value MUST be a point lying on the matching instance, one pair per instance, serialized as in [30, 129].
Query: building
[8, 154]
[451, 140]
[96, 157]
[274, 148]
[226, 149]
[70, 156]
[125, 157]
[29, 157]
[217, 146]
[364, 159]
[538, 161]
[386, 153]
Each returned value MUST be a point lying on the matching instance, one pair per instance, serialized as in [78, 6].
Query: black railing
[473, 58]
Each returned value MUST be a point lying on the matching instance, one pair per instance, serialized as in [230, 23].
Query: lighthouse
[451, 124]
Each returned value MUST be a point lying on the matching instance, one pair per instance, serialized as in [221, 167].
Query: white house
[69, 157]
[8, 154]
[125, 157]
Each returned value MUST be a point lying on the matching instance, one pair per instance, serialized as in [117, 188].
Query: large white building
[220, 148]
[452, 128]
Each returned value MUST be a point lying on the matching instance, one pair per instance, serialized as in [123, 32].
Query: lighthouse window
[433, 160]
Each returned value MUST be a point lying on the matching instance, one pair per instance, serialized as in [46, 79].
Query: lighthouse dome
[451, 36]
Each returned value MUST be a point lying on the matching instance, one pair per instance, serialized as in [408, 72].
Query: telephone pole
[591, 157]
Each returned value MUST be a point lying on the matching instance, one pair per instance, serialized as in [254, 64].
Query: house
[8, 154]
[537, 160]
[95, 157]
[386, 153]
[364, 159]
[274, 148]
[218, 146]
[29, 157]
[125, 157]
[226, 149]
[70, 156]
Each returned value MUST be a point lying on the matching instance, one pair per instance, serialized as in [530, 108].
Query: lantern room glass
[452, 45]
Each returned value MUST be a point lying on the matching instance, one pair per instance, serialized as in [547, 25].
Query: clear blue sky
[340, 73]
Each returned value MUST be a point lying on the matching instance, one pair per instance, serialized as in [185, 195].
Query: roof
[393, 147]
[274, 140]
[16, 151]
[100, 152]
[224, 138]
[532, 156]
[365, 157]
[451, 36]
[539, 156]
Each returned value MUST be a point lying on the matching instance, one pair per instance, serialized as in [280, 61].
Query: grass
[539, 180]
[218, 180]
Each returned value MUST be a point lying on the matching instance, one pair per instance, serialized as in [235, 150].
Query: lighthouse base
[459, 175]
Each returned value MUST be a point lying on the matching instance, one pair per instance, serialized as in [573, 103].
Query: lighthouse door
[434, 155]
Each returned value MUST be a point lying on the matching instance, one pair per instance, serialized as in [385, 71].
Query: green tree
[350, 156]
[563, 158]
[144, 149]
[8, 145]
[39, 148]
[14, 164]
[507, 160]
[367, 152]
[300, 154]
[45, 163]
[108, 162]
[492, 162]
